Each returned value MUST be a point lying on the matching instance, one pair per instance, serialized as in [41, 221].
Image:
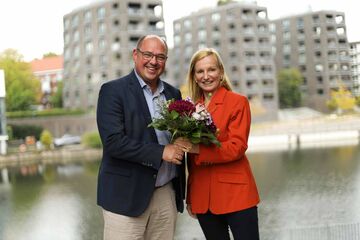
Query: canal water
[305, 193]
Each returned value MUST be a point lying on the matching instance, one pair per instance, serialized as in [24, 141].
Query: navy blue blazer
[131, 153]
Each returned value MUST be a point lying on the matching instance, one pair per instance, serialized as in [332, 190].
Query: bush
[46, 139]
[92, 140]
[9, 132]
[22, 131]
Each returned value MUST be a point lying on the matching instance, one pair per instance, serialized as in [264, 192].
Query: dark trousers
[243, 225]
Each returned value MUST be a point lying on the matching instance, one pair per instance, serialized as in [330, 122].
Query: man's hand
[173, 154]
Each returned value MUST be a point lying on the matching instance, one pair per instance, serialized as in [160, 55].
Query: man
[141, 177]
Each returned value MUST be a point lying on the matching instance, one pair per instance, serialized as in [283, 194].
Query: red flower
[182, 107]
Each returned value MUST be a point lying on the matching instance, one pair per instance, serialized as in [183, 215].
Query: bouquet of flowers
[182, 118]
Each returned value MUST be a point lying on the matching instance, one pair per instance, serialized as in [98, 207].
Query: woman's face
[207, 74]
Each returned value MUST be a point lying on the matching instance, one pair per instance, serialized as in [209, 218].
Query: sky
[34, 27]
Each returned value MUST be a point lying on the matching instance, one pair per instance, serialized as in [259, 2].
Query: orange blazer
[220, 178]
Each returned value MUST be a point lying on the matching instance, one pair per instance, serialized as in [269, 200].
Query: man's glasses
[149, 55]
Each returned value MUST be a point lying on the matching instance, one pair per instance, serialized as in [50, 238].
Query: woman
[222, 192]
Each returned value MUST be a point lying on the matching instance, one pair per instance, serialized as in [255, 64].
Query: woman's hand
[186, 145]
[188, 208]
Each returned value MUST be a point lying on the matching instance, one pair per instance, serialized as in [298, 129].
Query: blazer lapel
[217, 100]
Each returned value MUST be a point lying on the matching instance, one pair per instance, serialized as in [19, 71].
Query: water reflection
[300, 190]
[312, 188]
[50, 202]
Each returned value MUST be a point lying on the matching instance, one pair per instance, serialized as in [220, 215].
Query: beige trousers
[156, 223]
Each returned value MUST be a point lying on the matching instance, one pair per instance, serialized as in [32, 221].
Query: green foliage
[92, 140]
[331, 104]
[289, 83]
[46, 139]
[22, 131]
[22, 88]
[49, 54]
[357, 101]
[56, 100]
[9, 132]
[341, 99]
[223, 2]
[44, 113]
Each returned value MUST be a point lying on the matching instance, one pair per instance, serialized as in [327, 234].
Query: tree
[357, 101]
[56, 100]
[341, 99]
[22, 88]
[223, 2]
[49, 54]
[289, 83]
[46, 139]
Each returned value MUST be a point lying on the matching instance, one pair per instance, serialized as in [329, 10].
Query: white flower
[200, 108]
[196, 116]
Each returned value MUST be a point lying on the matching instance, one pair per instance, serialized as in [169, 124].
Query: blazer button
[154, 176]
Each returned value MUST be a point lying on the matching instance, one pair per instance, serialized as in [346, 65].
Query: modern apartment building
[240, 33]
[98, 43]
[49, 71]
[316, 44]
[355, 67]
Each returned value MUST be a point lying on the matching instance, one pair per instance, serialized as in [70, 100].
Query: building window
[317, 30]
[102, 60]
[215, 17]
[285, 24]
[75, 21]
[188, 38]
[101, 13]
[187, 24]
[101, 28]
[319, 68]
[339, 19]
[116, 22]
[261, 14]
[202, 22]
[89, 48]
[87, 16]
[340, 31]
[102, 44]
[202, 35]
[66, 24]
[76, 51]
[268, 96]
[320, 91]
[76, 36]
[177, 27]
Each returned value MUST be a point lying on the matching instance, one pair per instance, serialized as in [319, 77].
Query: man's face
[150, 59]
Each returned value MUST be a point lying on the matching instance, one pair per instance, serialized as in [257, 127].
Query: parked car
[67, 139]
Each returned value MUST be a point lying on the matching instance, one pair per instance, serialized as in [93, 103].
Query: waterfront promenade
[291, 133]
[305, 132]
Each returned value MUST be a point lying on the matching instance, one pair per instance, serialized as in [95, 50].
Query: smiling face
[150, 69]
[207, 74]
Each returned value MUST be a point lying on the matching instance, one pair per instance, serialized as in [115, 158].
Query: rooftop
[46, 64]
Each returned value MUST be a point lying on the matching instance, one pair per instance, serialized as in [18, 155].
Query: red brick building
[49, 71]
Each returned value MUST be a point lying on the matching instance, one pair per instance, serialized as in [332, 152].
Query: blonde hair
[195, 91]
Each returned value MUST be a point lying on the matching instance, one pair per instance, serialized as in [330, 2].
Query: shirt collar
[160, 87]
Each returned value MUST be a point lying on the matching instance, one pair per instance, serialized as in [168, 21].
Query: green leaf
[174, 114]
